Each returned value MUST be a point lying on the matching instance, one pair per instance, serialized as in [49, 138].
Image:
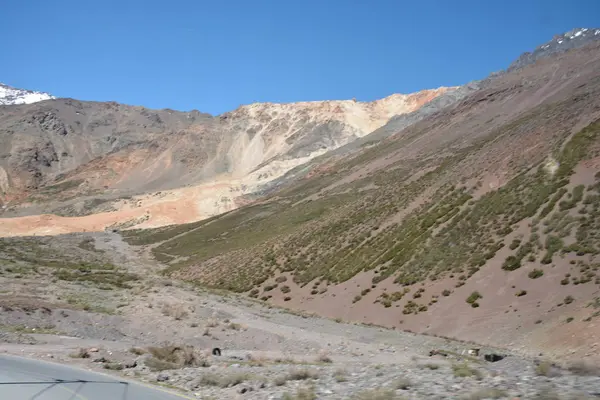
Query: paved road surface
[26, 379]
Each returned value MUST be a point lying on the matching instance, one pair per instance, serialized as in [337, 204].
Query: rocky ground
[162, 331]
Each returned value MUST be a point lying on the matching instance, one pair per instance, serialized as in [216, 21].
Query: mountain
[478, 219]
[11, 96]
[560, 43]
[133, 166]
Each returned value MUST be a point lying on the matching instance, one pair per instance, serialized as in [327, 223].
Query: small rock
[162, 377]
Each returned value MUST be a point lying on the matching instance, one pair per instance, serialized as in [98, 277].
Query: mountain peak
[10, 96]
[574, 38]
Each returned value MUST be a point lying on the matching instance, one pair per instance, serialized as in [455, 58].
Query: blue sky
[216, 55]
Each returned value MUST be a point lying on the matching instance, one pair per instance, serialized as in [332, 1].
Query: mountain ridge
[103, 152]
[13, 96]
[112, 157]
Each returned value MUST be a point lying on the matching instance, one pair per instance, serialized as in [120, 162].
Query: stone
[162, 377]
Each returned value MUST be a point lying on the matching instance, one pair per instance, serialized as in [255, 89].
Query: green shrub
[535, 273]
[473, 297]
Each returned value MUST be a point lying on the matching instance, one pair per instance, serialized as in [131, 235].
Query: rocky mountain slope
[10, 96]
[574, 38]
[132, 164]
[479, 221]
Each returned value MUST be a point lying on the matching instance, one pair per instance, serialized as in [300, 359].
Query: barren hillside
[480, 221]
[137, 166]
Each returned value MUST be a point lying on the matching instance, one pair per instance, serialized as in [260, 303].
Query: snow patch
[11, 96]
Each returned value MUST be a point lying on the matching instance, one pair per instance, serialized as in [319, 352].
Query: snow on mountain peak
[574, 38]
[10, 96]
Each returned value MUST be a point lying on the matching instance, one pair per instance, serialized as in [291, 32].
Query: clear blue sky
[215, 55]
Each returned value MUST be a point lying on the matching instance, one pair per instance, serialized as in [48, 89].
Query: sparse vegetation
[376, 394]
[302, 374]
[474, 229]
[176, 311]
[137, 351]
[402, 383]
[301, 394]
[535, 273]
[545, 368]
[473, 297]
[174, 357]
[81, 353]
[585, 368]
[323, 357]
[223, 381]
[114, 366]
[463, 370]
[488, 393]
[340, 375]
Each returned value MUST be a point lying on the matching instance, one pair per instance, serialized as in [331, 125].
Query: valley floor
[162, 331]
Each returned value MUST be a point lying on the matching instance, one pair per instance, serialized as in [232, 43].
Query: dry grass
[340, 375]
[176, 311]
[402, 383]
[223, 381]
[584, 368]
[301, 394]
[323, 357]
[212, 323]
[81, 353]
[302, 374]
[376, 394]
[114, 366]
[464, 370]
[235, 326]
[488, 393]
[137, 351]
[545, 368]
[296, 375]
[174, 357]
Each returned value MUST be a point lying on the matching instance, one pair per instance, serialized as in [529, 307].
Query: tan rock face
[76, 159]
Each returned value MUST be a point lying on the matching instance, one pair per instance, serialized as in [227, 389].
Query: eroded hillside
[480, 221]
[129, 166]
